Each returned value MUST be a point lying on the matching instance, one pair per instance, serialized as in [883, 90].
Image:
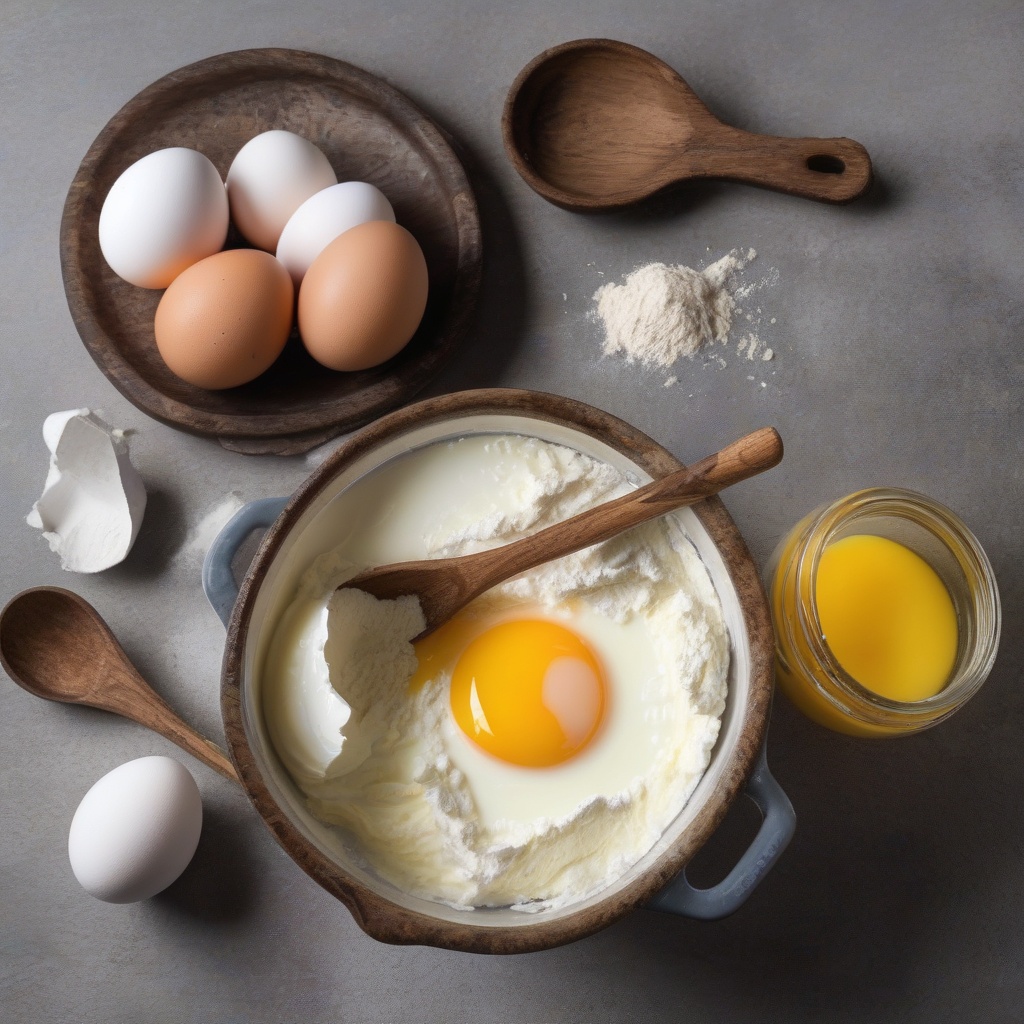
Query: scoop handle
[829, 170]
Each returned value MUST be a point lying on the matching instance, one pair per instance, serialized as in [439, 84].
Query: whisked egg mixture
[538, 745]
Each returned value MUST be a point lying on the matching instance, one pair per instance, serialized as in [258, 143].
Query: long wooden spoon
[54, 644]
[444, 585]
[599, 124]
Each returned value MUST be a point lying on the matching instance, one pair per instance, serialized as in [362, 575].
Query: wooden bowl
[305, 530]
[370, 132]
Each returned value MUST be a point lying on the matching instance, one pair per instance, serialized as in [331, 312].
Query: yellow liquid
[886, 616]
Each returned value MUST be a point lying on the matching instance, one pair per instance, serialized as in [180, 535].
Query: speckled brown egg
[225, 319]
[363, 297]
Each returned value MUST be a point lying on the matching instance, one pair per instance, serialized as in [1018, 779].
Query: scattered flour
[750, 346]
[204, 533]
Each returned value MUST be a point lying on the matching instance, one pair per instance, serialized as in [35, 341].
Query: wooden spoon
[597, 124]
[444, 585]
[54, 644]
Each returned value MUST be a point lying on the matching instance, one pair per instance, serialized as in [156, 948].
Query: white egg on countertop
[325, 215]
[136, 830]
[271, 176]
[164, 213]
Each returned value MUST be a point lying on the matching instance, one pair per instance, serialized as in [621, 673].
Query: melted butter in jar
[886, 613]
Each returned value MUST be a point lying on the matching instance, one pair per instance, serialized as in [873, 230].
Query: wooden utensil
[370, 132]
[597, 124]
[444, 585]
[54, 644]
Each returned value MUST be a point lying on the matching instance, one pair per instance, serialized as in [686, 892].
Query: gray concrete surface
[897, 328]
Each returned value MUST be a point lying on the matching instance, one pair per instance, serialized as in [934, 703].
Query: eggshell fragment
[324, 216]
[364, 296]
[271, 176]
[93, 501]
[164, 213]
[136, 830]
[226, 319]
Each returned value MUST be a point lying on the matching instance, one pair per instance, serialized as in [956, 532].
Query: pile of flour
[661, 313]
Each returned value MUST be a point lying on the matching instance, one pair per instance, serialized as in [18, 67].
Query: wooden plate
[370, 132]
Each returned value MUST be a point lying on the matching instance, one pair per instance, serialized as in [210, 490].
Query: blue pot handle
[679, 897]
[218, 579]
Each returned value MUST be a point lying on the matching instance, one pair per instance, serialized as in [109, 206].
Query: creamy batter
[433, 812]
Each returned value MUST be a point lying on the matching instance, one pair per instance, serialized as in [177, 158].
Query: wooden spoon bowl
[597, 124]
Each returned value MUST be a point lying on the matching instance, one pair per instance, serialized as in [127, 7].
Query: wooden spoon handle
[142, 704]
[110, 682]
[830, 170]
[744, 458]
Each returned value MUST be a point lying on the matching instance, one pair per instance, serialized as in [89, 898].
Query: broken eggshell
[93, 501]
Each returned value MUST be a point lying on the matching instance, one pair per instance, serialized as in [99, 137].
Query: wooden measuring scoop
[597, 124]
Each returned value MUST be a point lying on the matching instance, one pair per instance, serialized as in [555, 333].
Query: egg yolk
[529, 692]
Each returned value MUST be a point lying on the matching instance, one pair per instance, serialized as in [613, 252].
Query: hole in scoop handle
[829, 170]
[679, 897]
[218, 579]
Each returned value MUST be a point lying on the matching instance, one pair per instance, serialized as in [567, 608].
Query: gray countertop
[896, 324]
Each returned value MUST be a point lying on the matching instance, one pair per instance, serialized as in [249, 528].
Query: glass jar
[807, 670]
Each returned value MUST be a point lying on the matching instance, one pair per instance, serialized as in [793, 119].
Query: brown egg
[363, 297]
[225, 319]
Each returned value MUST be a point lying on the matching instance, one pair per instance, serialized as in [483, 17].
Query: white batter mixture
[432, 812]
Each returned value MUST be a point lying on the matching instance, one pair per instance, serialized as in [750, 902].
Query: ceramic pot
[300, 528]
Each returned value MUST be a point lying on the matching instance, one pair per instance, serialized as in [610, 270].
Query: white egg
[271, 176]
[324, 216]
[136, 830]
[164, 213]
